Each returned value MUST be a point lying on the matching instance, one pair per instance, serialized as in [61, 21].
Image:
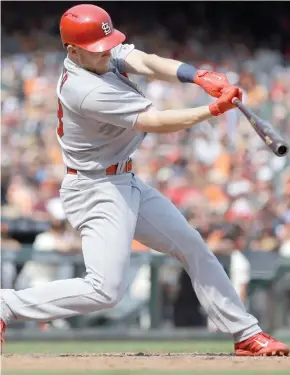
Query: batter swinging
[102, 119]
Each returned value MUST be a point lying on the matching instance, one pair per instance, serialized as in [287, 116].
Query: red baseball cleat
[2, 333]
[261, 344]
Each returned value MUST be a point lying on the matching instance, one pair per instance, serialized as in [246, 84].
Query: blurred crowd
[219, 174]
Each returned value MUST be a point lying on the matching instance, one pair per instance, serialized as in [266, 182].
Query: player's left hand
[213, 83]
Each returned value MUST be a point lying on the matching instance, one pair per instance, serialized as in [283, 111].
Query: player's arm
[153, 66]
[169, 121]
[160, 68]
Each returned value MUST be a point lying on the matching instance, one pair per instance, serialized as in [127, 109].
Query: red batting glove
[224, 103]
[211, 82]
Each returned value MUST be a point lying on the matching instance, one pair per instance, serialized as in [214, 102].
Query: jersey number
[59, 116]
[60, 110]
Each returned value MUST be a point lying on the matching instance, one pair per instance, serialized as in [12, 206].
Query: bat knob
[235, 101]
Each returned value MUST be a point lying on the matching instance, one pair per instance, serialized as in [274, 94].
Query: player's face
[97, 62]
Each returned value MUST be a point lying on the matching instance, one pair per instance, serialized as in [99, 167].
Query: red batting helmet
[89, 27]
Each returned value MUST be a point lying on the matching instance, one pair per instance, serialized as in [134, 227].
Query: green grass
[118, 347]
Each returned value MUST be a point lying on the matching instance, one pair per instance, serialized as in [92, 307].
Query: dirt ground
[141, 361]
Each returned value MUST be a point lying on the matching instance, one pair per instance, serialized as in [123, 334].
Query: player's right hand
[224, 102]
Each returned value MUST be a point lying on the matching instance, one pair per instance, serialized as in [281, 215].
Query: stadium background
[219, 174]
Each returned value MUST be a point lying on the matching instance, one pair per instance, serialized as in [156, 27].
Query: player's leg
[162, 227]
[106, 216]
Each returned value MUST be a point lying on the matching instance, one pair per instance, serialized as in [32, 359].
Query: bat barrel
[265, 130]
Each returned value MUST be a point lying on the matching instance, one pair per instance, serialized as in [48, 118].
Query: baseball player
[102, 119]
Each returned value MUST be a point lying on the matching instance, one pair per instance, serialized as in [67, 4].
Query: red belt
[112, 169]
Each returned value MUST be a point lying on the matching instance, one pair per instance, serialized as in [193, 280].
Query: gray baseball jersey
[97, 114]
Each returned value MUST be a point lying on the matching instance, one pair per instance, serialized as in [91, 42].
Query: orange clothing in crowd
[137, 246]
[215, 195]
[223, 164]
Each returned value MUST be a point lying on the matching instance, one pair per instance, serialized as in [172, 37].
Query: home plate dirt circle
[141, 361]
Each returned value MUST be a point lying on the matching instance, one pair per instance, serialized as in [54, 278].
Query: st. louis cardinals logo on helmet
[106, 28]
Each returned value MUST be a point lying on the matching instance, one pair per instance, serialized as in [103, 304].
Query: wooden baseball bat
[265, 130]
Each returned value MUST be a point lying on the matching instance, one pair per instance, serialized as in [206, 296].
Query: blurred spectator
[284, 235]
[8, 268]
